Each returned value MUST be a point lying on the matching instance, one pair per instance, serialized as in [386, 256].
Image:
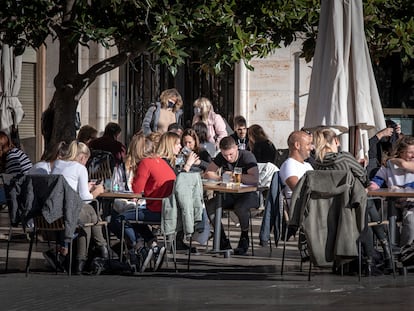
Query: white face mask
[197, 111]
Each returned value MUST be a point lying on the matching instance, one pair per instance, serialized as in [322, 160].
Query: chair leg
[108, 241]
[29, 255]
[189, 254]
[8, 248]
[359, 261]
[392, 254]
[270, 247]
[251, 232]
[174, 250]
[310, 270]
[70, 257]
[284, 252]
[122, 240]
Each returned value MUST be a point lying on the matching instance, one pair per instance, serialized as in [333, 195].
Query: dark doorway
[142, 81]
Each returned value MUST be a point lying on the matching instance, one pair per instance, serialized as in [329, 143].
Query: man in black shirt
[229, 158]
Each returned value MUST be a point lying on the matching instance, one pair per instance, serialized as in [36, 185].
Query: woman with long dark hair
[260, 144]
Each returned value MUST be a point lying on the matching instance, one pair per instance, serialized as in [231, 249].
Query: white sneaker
[159, 253]
[146, 255]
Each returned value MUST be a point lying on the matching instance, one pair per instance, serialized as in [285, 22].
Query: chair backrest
[266, 172]
[100, 165]
[330, 207]
[272, 216]
[281, 156]
[46, 195]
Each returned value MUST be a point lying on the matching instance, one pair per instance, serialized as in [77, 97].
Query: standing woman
[160, 115]
[13, 160]
[216, 127]
[262, 148]
[72, 167]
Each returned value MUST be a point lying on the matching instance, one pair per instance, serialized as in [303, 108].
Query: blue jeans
[134, 232]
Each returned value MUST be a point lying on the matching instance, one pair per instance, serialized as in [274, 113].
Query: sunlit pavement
[213, 283]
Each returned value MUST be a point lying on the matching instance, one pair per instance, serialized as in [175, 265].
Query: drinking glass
[237, 173]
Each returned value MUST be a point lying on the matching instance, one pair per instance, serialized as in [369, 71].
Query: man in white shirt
[300, 147]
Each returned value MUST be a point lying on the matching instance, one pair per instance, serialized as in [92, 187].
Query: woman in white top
[45, 165]
[72, 167]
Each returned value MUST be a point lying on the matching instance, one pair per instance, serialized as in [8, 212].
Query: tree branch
[108, 64]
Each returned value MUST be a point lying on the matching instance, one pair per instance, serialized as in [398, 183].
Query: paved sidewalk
[213, 283]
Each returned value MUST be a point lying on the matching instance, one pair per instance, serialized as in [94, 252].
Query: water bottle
[116, 179]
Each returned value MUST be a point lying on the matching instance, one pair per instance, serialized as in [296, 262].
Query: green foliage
[220, 32]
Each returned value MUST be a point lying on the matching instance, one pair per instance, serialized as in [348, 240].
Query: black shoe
[225, 244]
[79, 266]
[242, 247]
[102, 252]
[57, 263]
[50, 257]
[371, 269]
[181, 246]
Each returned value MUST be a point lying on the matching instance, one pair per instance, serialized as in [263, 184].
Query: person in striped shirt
[14, 160]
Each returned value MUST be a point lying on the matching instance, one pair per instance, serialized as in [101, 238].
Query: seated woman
[189, 139]
[259, 143]
[13, 160]
[72, 167]
[45, 165]
[202, 132]
[327, 157]
[169, 148]
[152, 177]
[398, 173]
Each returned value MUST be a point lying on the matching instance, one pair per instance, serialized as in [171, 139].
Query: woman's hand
[97, 190]
[191, 160]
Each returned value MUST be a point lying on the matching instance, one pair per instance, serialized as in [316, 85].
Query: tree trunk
[59, 119]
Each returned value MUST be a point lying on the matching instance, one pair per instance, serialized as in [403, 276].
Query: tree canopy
[221, 32]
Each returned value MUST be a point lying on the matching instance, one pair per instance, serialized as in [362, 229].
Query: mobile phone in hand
[98, 182]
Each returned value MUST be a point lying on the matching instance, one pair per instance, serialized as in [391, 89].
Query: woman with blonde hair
[169, 148]
[152, 177]
[72, 167]
[163, 113]
[204, 111]
[328, 157]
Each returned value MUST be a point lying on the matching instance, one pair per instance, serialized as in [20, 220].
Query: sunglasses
[306, 131]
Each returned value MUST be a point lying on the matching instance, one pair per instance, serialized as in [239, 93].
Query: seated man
[300, 147]
[295, 166]
[229, 158]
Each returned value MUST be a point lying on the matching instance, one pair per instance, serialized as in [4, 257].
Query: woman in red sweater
[154, 178]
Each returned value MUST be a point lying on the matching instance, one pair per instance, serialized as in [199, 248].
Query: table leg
[217, 223]
[392, 218]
